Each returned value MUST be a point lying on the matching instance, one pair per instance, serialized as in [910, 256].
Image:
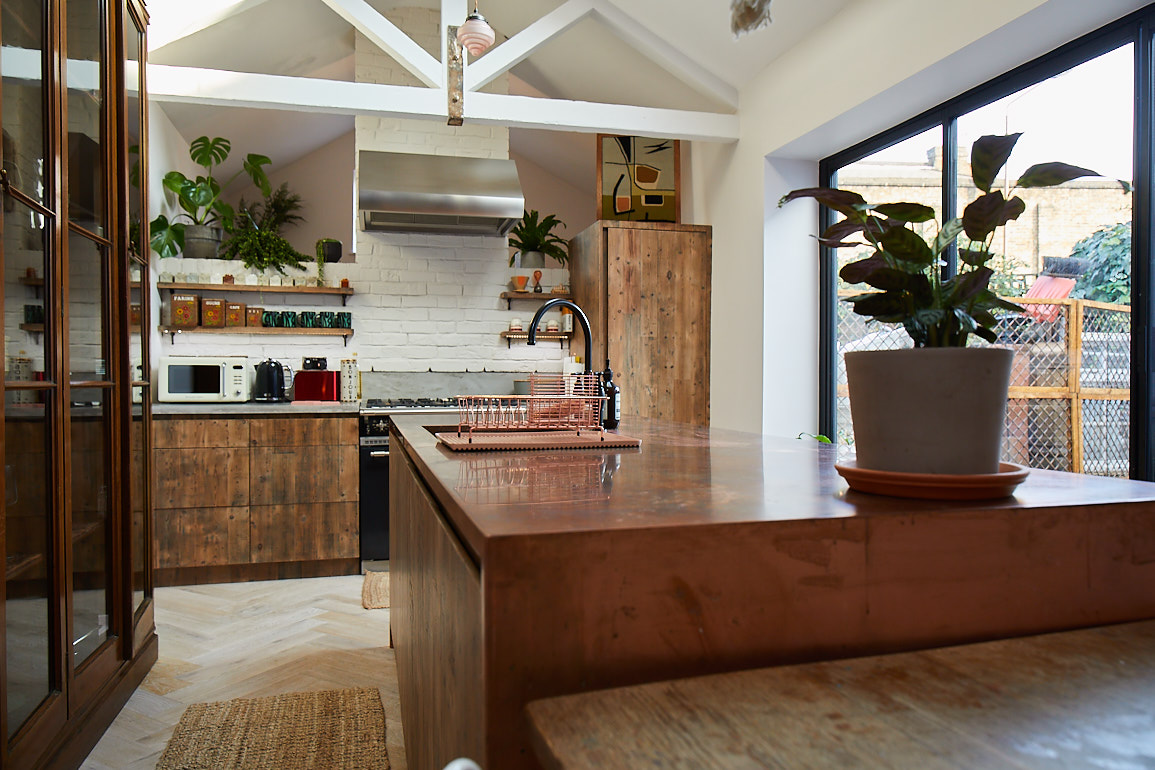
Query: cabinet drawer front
[194, 433]
[199, 478]
[304, 431]
[198, 537]
[323, 474]
[304, 532]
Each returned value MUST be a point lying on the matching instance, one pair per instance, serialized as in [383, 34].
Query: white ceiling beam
[191, 85]
[662, 52]
[386, 36]
[512, 52]
[182, 25]
[597, 118]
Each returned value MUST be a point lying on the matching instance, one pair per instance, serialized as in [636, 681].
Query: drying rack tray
[556, 439]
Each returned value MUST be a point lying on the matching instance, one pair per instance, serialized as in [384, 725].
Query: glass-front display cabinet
[77, 607]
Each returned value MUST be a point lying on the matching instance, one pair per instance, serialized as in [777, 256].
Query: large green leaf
[253, 166]
[209, 152]
[166, 238]
[884, 304]
[845, 202]
[988, 156]
[990, 211]
[860, 271]
[908, 246]
[965, 286]
[946, 236]
[174, 181]
[1051, 174]
[888, 279]
[906, 212]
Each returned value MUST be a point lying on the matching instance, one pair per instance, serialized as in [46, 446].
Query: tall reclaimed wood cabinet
[77, 613]
[645, 287]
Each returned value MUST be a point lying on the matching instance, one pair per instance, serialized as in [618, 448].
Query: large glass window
[1066, 259]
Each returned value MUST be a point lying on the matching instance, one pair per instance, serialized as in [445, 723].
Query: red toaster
[323, 385]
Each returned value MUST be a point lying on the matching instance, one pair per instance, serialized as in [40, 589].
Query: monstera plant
[200, 199]
[940, 407]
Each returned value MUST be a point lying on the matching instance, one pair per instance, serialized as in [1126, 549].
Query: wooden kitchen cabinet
[645, 287]
[256, 498]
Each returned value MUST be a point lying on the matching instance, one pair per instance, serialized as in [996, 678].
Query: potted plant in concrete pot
[328, 250]
[938, 407]
[200, 201]
[534, 240]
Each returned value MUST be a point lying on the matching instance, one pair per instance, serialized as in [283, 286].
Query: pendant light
[748, 15]
[475, 35]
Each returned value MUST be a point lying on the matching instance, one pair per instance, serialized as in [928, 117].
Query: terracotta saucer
[934, 486]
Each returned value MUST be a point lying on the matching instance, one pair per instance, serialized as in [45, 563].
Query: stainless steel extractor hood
[409, 193]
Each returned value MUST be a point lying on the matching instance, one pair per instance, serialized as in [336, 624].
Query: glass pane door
[1067, 261]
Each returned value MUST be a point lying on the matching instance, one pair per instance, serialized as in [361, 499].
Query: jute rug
[375, 590]
[326, 730]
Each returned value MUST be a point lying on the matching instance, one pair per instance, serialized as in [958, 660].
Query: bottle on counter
[612, 407]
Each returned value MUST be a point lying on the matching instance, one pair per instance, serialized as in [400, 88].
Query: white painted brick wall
[422, 303]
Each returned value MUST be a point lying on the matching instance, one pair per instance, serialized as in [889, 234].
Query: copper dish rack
[570, 402]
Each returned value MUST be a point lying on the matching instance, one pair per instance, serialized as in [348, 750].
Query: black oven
[374, 486]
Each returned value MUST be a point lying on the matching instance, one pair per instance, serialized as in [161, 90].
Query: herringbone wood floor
[241, 640]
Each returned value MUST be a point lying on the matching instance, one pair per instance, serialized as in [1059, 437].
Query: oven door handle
[379, 453]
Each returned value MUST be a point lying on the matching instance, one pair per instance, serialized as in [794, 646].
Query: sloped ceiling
[589, 62]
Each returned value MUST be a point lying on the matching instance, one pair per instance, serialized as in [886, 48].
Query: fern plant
[532, 234]
[261, 249]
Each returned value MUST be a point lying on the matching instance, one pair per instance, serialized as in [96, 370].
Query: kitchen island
[522, 575]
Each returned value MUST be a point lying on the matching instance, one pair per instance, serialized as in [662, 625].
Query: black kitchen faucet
[581, 316]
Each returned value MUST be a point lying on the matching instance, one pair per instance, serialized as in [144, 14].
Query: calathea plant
[905, 272]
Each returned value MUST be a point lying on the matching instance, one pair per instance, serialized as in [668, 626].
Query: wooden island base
[516, 577]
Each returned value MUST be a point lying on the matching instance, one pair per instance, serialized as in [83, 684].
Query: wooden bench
[1074, 699]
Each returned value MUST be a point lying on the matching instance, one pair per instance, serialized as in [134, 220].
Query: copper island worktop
[531, 574]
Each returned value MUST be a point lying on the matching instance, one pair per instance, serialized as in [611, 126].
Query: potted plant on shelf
[534, 240]
[261, 248]
[328, 250]
[200, 201]
[938, 407]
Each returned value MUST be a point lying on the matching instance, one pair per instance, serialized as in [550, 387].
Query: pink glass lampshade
[475, 35]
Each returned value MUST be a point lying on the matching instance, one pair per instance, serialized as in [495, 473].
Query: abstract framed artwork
[638, 178]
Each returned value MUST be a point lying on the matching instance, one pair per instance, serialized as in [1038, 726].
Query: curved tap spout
[581, 316]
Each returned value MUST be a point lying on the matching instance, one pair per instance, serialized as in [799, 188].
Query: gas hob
[375, 414]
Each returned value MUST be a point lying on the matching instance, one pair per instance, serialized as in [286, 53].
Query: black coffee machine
[269, 383]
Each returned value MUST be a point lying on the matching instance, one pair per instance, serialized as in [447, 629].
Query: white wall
[550, 195]
[324, 180]
[813, 101]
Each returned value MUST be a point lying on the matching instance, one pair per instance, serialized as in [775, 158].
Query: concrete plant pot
[532, 258]
[929, 410]
[201, 241]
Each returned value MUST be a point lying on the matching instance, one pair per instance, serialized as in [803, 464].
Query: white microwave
[199, 379]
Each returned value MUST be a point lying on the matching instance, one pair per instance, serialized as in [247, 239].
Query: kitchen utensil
[212, 313]
[270, 382]
[350, 380]
[235, 314]
[312, 364]
[288, 318]
[254, 316]
[519, 282]
[185, 310]
[327, 319]
[345, 320]
[307, 319]
[271, 318]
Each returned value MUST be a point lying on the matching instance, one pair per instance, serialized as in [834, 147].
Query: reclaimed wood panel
[303, 431]
[435, 624]
[1074, 699]
[303, 532]
[196, 432]
[647, 291]
[201, 478]
[285, 475]
[198, 537]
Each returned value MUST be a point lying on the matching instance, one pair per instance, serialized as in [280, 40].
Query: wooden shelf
[334, 290]
[560, 337]
[508, 296]
[31, 281]
[35, 328]
[275, 330]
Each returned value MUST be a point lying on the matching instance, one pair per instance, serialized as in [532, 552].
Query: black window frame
[1136, 29]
